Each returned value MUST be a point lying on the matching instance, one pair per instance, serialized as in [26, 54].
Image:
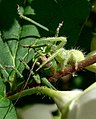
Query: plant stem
[74, 68]
[36, 90]
[61, 98]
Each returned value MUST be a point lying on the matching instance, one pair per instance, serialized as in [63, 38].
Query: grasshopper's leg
[30, 20]
[47, 83]
[58, 49]
[50, 58]
[44, 42]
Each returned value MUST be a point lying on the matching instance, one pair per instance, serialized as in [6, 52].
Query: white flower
[36, 111]
[84, 106]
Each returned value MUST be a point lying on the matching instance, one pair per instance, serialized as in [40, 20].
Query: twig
[74, 68]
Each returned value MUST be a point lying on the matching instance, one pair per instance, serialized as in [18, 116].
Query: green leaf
[2, 88]
[11, 50]
[7, 110]
[13, 32]
[12, 36]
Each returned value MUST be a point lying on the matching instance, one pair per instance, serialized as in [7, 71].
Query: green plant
[31, 53]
